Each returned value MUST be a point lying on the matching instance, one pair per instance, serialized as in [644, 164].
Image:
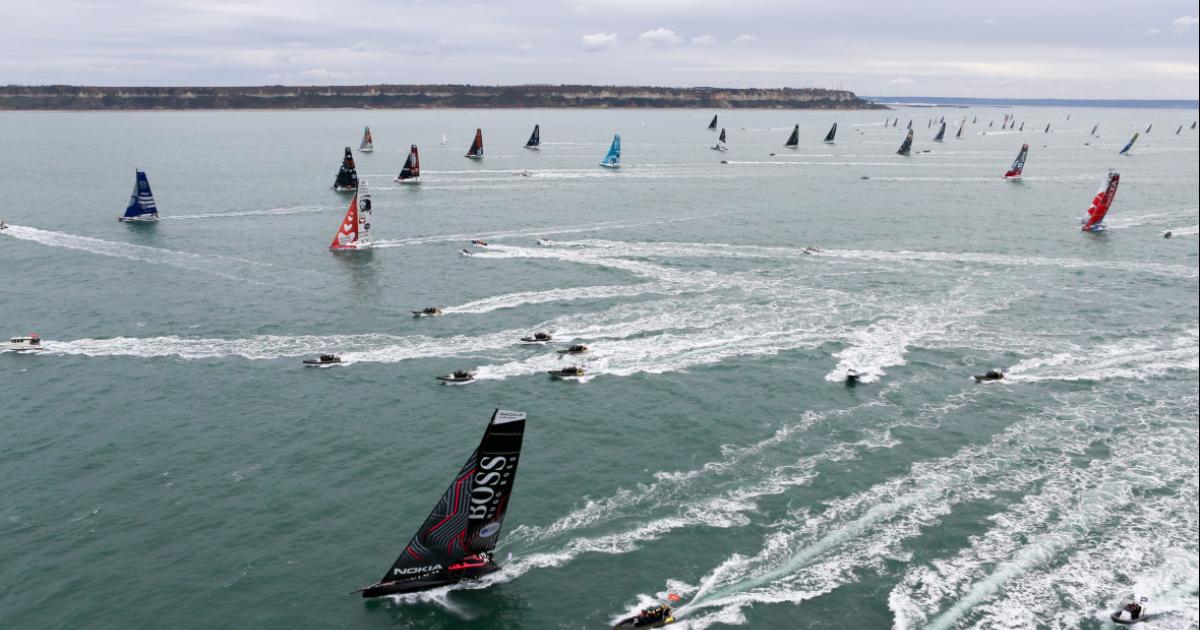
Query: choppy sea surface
[168, 462]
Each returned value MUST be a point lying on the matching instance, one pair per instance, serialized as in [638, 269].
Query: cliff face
[67, 97]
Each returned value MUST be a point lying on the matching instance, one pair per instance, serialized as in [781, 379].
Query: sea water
[168, 462]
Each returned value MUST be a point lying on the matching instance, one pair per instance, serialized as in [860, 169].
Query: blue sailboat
[141, 203]
[1129, 145]
[613, 158]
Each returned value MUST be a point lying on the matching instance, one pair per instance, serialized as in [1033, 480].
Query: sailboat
[974, 120]
[367, 145]
[1022, 126]
[410, 173]
[141, 202]
[535, 138]
[476, 150]
[961, 127]
[941, 134]
[1129, 145]
[720, 145]
[895, 121]
[1179, 130]
[444, 140]
[347, 177]
[910, 123]
[1018, 165]
[457, 538]
[1047, 129]
[793, 140]
[354, 233]
[1094, 128]
[1101, 203]
[612, 159]
[712, 126]
[829, 136]
[1148, 127]
[906, 146]
[990, 122]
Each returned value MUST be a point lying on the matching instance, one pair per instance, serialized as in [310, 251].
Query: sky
[1013, 49]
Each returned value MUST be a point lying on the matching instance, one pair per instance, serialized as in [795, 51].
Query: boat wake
[245, 213]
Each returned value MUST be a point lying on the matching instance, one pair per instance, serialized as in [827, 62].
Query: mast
[793, 140]
[1102, 202]
[347, 177]
[476, 149]
[411, 171]
[535, 138]
[1018, 164]
[454, 541]
[906, 146]
[141, 206]
[829, 136]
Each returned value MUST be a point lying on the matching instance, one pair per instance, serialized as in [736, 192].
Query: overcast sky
[1017, 48]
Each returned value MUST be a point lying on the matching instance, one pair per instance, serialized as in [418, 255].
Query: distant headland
[70, 97]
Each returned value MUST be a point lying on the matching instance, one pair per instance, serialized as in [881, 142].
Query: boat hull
[345, 188]
[321, 364]
[143, 219]
[632, 622]
[612, 166]
[411, 181]
[412, 586]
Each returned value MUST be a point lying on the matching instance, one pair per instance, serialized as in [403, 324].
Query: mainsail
[793, 140]
[347, 177]
[535, 138]
[367, 145]
[411, 172]
[476, 150]
[141, 202]
[1022, 126]
[712, 126]
[1018, 164]
[720, 145]
[456, 539]
[612, 159]
[961, 127]
[906, 147]
[1129, 145]
[1148, 127]
[1047, 129]
[829, 136]
[941, 134]
[1101, 203]
[355, 231]
[1094, 128]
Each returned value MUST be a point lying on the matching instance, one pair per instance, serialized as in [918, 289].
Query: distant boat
[1047, 129]
[974, 120]
[367, 145]
[612, 159]
[476, 150]
[720, 145]
[410, 173]
[896, 121]
[456, 540]
[941, 134]
[906, 146]
[829, 136]
[1094, 128]
[1101, 203]
[1129, 145]
[535, 138]
[1018, 164]
[347, 177]
[1022, 126]
[141, 202]
[1179, 130]
[910, 123]
[990, 122]
[1193, 127]
[793, 140]
[961, 127]
[444, 141]
[929, 125]
[354, 234]
[712, 126]
[1148, 127]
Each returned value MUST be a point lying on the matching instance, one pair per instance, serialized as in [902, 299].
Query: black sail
[906, 148]
[476, 149]
[467, 519]
[535, 138]
[832, 133]
[941, 134]
[713, 125]
[721, 138]
[412, 166]
[794, 139]
[347, 177]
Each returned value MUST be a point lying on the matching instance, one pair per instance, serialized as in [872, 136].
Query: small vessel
[3, 225]
[896, 121]
[653, 617]
[475, 152]
[909, 123]
[537, 337]
[354, 233]
[831, 135]
[324, 360]
[1047, 129]
[141, 202]
[612, 159]
[1148, 127]
[466, 252]
[1129, 145]
[962, 126]
[990, 375]
[456, 540]
[30, 343]
[1094, 128]
[941, 134]
[457, 376]
[478, 242]
[410, 173]
[1018, 165]
[906, 146]
[712, 126]
[575, 349]
[1177, 131]
[720, 145]
[1094, 222]
[535, 139]
[444, 141]
[1022, 126]
[347, 176]
[1168, 234]
[571, 372]
[853, 376]
[793, 140]
[428, 311]
[974, 119]
[1132, 612]
[367, 145]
